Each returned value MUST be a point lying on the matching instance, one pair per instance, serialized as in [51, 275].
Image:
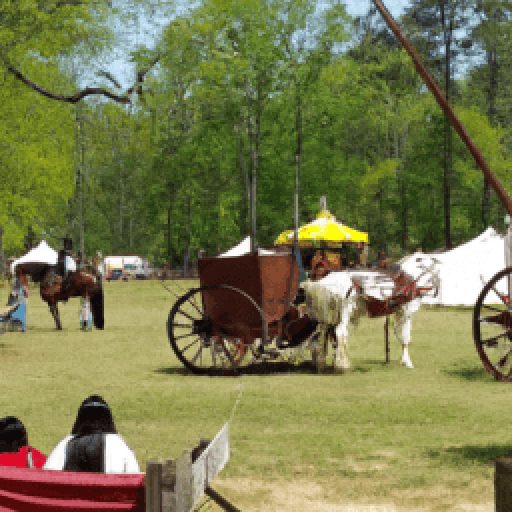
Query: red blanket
[33, 490]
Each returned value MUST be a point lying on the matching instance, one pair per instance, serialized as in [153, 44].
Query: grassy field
[380, 438]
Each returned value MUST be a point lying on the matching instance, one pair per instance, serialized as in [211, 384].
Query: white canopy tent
[244, 247]
[465, 269]
[43, 254]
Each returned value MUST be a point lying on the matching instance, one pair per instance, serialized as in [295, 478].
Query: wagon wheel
[196, 344]
[492, 325]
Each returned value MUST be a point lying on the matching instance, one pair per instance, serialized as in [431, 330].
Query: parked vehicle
[131, 266]
[115, 274]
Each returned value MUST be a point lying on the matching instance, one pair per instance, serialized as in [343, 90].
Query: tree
[437, 23]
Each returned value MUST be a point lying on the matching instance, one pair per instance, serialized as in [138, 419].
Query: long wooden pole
[443, 102]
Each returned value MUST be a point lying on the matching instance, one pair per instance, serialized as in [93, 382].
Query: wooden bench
[168, 486]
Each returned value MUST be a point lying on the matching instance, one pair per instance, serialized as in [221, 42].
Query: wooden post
[178, 485]
[386, 338]
[153, 486]
[503, 484]
[183, 488]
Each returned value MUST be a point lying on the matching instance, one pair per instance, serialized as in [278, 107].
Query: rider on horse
[66, 264]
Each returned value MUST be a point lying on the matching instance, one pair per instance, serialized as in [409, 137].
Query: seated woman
[14, 448]
[94, 444]
[20, 290]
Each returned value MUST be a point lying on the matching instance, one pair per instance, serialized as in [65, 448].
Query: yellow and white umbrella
[324, 230]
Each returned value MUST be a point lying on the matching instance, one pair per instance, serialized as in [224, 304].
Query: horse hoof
[341, 366]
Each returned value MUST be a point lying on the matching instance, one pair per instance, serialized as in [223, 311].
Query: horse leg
[319, 352]
[341, 360]
[54, 310]
[402, 328]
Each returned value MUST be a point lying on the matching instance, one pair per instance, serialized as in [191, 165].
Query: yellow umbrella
[325, 230]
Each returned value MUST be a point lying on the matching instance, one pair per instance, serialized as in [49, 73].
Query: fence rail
[178, 485]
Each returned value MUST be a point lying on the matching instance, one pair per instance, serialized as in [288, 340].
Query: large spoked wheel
[492, 325]
[197, 342]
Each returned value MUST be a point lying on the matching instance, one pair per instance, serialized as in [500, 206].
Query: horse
[78, 284]
[340, 298]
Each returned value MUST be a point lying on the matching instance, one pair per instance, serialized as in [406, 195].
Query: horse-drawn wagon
[241, 314]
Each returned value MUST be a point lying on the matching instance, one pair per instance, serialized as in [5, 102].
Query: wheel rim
[492, 326]
[192, 339]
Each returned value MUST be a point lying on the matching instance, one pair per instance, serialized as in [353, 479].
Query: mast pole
[443, 102]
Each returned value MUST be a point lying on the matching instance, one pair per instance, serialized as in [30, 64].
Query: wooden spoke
[184, 349]
[177, 324]
[491, 308]
[186, 315]
[492, 342]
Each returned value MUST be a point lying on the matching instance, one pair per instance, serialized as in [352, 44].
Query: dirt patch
[297, 496]
[306, 496]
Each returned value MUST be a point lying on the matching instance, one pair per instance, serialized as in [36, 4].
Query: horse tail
[97, 308]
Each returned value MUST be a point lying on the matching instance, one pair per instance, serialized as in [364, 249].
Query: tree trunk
[491, 114]
[298, 154]
[3, 270]
[186, 252]
[168, 234]
[448, 138]
[80, 179]
[244, 184]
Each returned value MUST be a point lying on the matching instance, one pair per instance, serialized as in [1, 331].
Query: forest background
[281, 90]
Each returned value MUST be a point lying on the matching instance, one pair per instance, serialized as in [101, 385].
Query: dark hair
[94, 417]
[13, 434]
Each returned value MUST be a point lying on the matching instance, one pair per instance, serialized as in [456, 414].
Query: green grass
[378, 438]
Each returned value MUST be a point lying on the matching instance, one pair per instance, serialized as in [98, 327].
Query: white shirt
[118, 457]
[69, 264]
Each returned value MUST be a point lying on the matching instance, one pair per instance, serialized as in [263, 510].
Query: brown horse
[79, 284]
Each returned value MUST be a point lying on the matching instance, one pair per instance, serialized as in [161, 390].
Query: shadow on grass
[474, 374]
[460, 455]
[270, 368]
[265, 368]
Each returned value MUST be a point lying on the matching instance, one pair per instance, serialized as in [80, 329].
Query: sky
[145, 33]
[358, 7]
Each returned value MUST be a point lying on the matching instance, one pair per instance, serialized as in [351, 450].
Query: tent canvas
[465, 269]
[244, 247]
[36, 258]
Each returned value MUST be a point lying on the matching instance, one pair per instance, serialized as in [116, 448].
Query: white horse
[342, 297]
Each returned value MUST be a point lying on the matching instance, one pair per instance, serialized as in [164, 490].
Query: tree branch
[74, 98]
[141, 75]
[88, 91]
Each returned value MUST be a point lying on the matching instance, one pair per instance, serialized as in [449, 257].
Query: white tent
[42, 254]
[244, 247]
[465, 269]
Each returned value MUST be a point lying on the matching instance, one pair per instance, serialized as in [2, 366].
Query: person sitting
[94, 444]
[14, 448]
[20, 290]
